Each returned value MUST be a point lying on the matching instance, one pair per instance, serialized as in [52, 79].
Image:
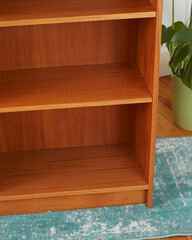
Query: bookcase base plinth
[72, 202]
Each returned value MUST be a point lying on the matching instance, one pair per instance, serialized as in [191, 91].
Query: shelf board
[71, 87]
[70, 172]
[30, 12]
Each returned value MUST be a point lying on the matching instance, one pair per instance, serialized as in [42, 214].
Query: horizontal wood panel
[71, 87]
[74, 171]
[68, 44]
[20, 12]
[72, 202]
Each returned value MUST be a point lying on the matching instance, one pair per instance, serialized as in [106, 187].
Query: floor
[165, 125]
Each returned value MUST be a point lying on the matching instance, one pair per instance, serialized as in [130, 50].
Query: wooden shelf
[71, 87]
[58, 173]
[30, 12]
[70, 171]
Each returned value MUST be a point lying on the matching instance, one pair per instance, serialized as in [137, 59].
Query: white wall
[182, 13]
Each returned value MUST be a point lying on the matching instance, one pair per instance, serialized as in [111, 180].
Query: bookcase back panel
[68, 44]
[66, 128]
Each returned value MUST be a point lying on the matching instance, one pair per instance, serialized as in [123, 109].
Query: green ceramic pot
[182, 104]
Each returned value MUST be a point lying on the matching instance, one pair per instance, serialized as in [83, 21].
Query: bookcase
[78, 103]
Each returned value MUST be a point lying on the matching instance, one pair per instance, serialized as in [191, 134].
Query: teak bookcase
[78, 103]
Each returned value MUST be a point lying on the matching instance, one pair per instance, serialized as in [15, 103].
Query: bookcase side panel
[148, 57]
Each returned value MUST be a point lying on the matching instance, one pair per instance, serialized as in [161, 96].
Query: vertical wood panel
[21, 131]
[143, 135]
[146, 47]
[68, 44]
[148, 58]
[66, 128]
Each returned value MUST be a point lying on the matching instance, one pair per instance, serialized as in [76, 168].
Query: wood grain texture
[39, 181]
[20, 12]
[72, 44]
[70, 172]
[142, 135]
[158, 5]
[66, 128]
[72, 202]
[71, 87]
[148, 58]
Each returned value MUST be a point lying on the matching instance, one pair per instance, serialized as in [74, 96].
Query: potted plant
[178, 39]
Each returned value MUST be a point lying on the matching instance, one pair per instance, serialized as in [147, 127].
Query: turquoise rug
[170, 216]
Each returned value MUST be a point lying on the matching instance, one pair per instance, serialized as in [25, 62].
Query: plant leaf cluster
[178, 39]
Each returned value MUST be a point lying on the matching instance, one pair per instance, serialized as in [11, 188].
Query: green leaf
[190, 23]
[187, 78]
[163, 34]
[167, 34]
[179, 55]
[163, 27]
[179, 26]
[183, 35]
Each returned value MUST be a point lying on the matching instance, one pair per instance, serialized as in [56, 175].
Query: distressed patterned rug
[170, 216]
